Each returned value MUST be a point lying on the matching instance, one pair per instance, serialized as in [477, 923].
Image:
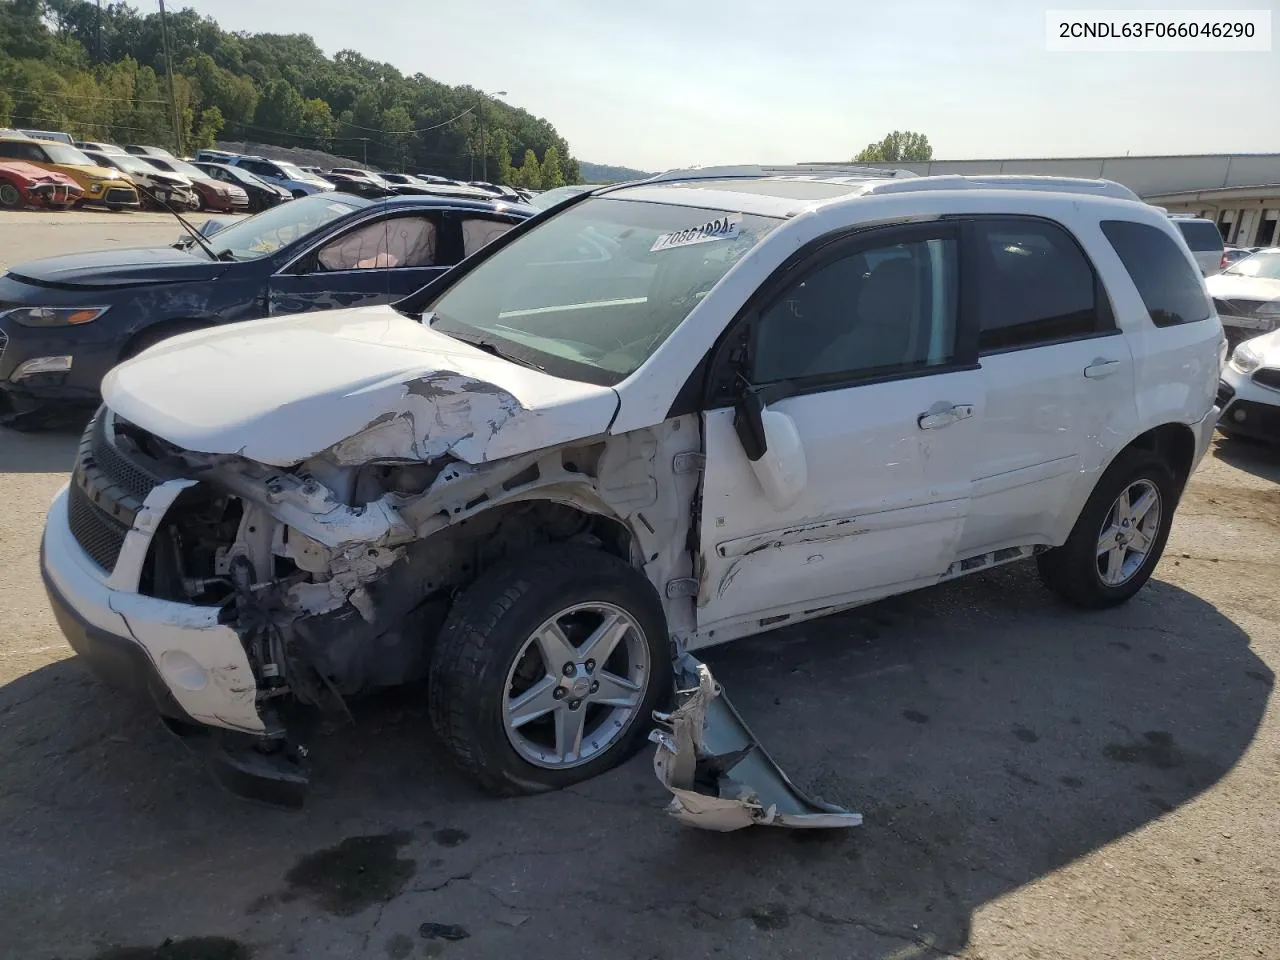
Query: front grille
[121, 195]
[1225, 393]
[1268, 377]
[108, 487]
[1237, 307]
[99, 536]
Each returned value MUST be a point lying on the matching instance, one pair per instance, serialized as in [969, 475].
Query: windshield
[549, 198]
[292, 172]
[125, 162]
[1265, 266]
[272, 229]
[62, 153]
[593, 291]
[181, 166]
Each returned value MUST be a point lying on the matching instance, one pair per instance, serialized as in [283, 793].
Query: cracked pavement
[1036, 781]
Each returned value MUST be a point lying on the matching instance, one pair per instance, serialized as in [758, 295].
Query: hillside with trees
[99, 74]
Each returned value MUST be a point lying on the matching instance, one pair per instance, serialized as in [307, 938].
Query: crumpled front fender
[719, 775]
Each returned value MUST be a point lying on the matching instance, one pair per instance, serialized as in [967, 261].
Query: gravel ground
[1037, 782]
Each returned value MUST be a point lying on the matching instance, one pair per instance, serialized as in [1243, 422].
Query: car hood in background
[1267, 347]
[120, 268]
[368, 382]
[1230, 286]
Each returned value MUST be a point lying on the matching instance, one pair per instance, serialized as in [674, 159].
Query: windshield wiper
[195, 234]
[491, 348]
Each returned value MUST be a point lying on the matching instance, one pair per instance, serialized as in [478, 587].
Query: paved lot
[1037, 783]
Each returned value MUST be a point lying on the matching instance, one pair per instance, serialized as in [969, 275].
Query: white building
[1239, 191]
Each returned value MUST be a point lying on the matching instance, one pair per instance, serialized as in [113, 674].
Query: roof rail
[954, 181]
[751, 171]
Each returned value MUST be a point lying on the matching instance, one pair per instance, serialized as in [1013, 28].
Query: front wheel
[548, 668]
[10, 196]
[1119, 536]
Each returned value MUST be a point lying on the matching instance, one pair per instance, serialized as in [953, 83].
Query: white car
[1204, 240]
[282, 174]
[1249, 394]
[153, 184]
[547, 479]
[1247, 295]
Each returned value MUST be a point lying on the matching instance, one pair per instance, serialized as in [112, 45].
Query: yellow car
[102, 185]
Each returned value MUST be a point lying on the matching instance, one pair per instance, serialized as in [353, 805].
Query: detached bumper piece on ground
[719, 775]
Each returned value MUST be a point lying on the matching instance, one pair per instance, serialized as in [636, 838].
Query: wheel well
[154, 333]
[1174, 443]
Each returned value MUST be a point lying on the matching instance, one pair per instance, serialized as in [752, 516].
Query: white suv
[665, 415]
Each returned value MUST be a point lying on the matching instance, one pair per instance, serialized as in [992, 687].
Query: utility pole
[168, 66]
[99, 31]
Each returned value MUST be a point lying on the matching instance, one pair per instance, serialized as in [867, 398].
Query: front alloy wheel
[548, 668]
[575, 685]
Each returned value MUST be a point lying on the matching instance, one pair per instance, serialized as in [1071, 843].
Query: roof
[430, 201]
[788, 191]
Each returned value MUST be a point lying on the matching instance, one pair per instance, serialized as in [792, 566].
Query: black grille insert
[1268, 377]
[99, 535]
[120, 195]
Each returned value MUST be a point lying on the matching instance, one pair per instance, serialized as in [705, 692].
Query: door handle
[943, 414]
[1101, 367]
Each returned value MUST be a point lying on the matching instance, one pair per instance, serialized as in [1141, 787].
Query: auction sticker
[722, 228]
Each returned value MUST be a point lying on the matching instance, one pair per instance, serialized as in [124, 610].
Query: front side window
[1170, 288]
[17, 150]
[876, 312]
[385, 245]
[591, 292]
[1034, 286]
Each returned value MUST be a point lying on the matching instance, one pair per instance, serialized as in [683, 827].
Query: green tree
[529, 174]
[281, 108]
[552, 176]
[500, 153]
[318, 122]
[207, 130]
[901, 145]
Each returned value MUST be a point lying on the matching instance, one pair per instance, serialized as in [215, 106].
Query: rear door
[863, 350]
[1058, 378]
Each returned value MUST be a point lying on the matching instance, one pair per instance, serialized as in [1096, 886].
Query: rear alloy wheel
[548, 669]
[1119, 536]
[10, 196]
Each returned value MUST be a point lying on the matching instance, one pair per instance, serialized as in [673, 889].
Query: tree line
[98, 72]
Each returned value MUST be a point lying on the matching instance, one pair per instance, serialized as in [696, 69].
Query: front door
[864, 351]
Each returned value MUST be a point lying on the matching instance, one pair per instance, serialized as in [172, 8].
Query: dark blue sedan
[65, 321]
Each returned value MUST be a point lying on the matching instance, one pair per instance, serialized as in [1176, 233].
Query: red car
[25, 184]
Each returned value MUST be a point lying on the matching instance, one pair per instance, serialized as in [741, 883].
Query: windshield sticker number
[722, 228]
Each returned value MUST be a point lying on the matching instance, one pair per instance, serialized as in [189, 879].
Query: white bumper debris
[719, 776]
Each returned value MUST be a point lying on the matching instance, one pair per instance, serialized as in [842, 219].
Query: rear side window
[1169, 286]
[1201, 235]
[1035, 286]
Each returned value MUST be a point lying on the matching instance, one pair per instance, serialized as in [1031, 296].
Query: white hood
[1232, 286]
[1267, 347]
[281, 390]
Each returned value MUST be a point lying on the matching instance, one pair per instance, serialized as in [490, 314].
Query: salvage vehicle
[262, 195]
[298, 182]
[1204, 240]
[67, 320]
[661, 416]
[102, 186]
[26, 185]
[157, 188]
[1249, 393]
[1247, 295]
[212, 194]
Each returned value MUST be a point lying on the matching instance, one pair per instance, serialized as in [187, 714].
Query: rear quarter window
[1169, 285]
[1201, 235]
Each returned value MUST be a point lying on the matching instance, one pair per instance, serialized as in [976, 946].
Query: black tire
[10, 196]
[1072, 570]
[485, 632]
[153, 335]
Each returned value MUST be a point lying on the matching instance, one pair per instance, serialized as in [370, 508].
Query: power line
[77, 96]
[391, 133]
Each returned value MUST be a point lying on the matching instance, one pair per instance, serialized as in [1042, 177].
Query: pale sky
[663, 83]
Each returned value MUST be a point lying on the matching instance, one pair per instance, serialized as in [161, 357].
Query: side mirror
[772, 445]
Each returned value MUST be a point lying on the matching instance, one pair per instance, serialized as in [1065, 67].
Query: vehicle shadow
[45, 451]
[1251, 456]
[988, 734]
